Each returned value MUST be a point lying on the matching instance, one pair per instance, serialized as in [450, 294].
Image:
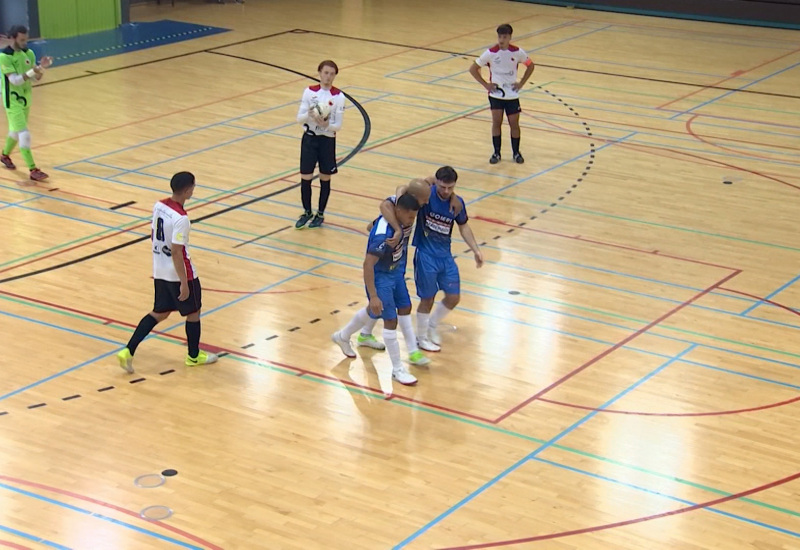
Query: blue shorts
[393, 292]
[435, 273]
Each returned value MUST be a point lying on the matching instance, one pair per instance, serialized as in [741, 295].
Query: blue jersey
[435, 225]
[392, 260]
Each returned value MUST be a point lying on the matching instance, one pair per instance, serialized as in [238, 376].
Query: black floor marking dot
[248, 346]
[71, 397]
[334, 312]
[351, 304]
[312, 321]
[36, 406]
[170, 371]
[496, 237]
[294, 329]
[137, 380]
[223, 354]
[271, 337]
[106, 388]
[169, 473]
[3, 413]
[514, 292]
[521, 224]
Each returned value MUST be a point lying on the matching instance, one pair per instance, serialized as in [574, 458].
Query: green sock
[28, 157]
[10, 144]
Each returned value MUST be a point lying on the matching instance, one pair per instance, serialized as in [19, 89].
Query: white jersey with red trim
[503, 68]
[314, 95]
[170, 226]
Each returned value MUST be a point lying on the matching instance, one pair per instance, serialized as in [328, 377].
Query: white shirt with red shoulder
[317, 94]
[503, 68]
[170, 226]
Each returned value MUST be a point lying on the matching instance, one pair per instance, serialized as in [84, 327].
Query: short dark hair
[447, 174]
[17, 29]
[408, 202]
[328, 63]
[505, 28]
[181, 181]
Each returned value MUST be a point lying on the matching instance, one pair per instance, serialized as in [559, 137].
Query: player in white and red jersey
[318, 146]
[503, 87]
[177, 287]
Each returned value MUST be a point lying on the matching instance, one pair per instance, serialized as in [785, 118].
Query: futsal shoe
[404, 377]
[203, 358]
[303, 220]
[126, 360]
[7, 162]
[317, 221]
[427, 345]
[434, 336]
[345, 346]
[38, 175]
[518, 158]
[369, 341]
[418, 359]
[495, 158]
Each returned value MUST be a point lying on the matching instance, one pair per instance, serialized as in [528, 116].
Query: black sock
[515, 145]
[193, 338]
[324, 193]
[305, 194]
[147, 324]
[497, 142]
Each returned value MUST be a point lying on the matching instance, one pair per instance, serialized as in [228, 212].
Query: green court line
[422, 408]
[640, 322]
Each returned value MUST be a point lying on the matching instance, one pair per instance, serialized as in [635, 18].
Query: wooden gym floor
[624, 371]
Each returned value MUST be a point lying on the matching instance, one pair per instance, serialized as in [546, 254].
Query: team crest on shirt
[27, 61]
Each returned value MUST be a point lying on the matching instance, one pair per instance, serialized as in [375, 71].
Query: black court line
[123, 205]
[168, 58]
[350, 155]
[559, 67]
[262, 236]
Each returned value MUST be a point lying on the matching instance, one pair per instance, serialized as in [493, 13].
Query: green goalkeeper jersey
[19, 62]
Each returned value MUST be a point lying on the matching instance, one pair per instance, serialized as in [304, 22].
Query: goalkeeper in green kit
[19, 68]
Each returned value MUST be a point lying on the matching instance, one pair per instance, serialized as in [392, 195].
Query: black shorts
[510, 106]
[318, 149]
[166, 297]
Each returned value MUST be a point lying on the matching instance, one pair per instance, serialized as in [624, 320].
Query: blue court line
[56, 375]
[667, 136]
[57, 327]
[570, 23]
[545, 171]
[726, 94]
[13, 204]
[581, 35]
[89, 513]
[670, 497]
[697, 37]
[119, 346]
[743, 374]
[33, 538]
[535, 452]
[772, 294]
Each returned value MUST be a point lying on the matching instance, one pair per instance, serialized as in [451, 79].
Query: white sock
[422, 324]
[369, 326]
[439, 312]
[359, 320]
[393, 347]
[407, 327]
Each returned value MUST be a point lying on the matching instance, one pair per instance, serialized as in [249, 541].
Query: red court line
[228, 98]
[9, 544]
[764, 175]
[614, 525]
[698, 137]
[125, 511]
[640, 413]
[602, 243]
[765, 300]
[618, 345]
[734, 75]
[218, 349]
[221, 198]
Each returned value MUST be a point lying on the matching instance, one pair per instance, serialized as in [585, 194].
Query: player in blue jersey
[384, 278]
[434, 266]
[420, 189]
